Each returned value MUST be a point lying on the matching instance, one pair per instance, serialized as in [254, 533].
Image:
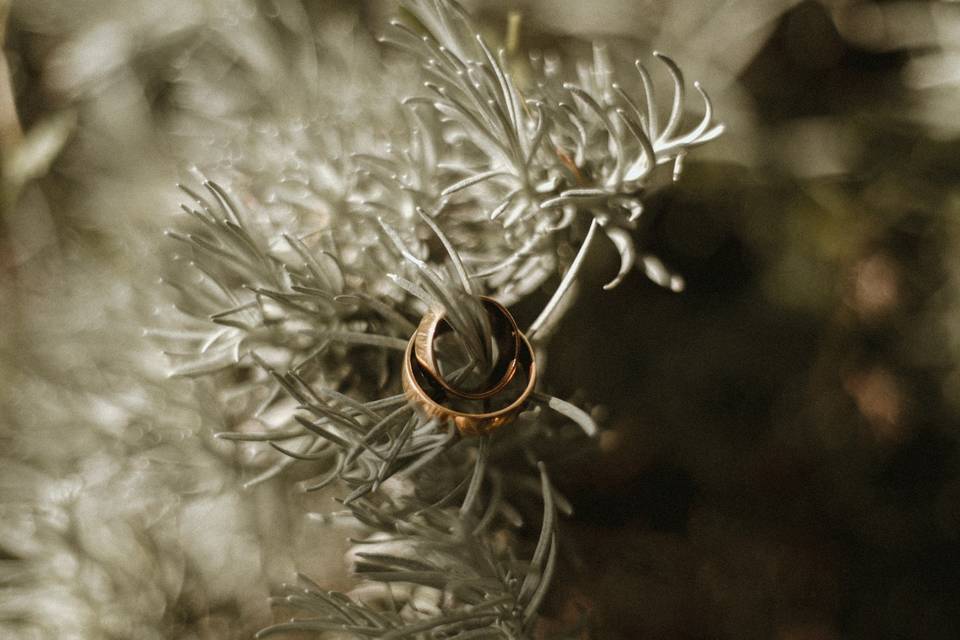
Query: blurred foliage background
[780, 456]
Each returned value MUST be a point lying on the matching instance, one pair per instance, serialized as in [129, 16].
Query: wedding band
[505, 331]
[425, 388]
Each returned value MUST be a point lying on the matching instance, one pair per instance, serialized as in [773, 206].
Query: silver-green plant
[296, 307]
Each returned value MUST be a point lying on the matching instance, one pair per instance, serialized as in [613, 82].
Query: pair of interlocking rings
[498, 401]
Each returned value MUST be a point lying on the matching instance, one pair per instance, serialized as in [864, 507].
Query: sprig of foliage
[477, 588]
[298, 314]
[536, 156]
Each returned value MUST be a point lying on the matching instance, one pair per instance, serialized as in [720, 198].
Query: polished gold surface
[427, 389]
[505, 332]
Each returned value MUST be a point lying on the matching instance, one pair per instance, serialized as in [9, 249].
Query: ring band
[426, 389]
[434, 324]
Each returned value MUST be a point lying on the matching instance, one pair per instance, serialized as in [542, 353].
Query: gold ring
[424, 388]
[505, 332]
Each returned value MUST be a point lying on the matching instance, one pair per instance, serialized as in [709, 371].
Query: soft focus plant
[297, 313]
